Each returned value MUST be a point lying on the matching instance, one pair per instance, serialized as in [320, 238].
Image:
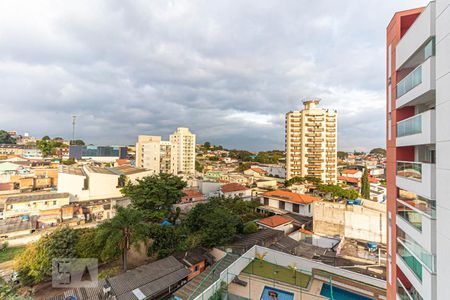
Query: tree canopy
[154, 195]
[378, 151]
[337, 191]
[342, 155]
[365, 185]
[306, 179]
[6, 138]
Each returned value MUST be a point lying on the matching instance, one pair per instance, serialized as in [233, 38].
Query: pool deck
[256, 284]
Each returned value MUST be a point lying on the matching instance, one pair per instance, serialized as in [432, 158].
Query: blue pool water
[340, 294]
[270, 293]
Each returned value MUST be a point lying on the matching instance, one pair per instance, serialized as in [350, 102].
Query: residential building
[184, 142]
[156, 155]
[196, 260]
[49, 208]
[235, 190]
[277, 222]
[25, 151]
[311, 137]
[281, 202]
[105, 154]
[255, 172]
[418, 143]
[92, 182]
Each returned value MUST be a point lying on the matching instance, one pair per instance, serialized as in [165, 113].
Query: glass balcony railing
[426, 258]
[409, 126]
[407, 294]
[413, 263]
[423, 204]
[409, 82]
[410, 215]
[410, 170]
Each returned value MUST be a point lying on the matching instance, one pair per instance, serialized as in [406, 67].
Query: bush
[250, 227]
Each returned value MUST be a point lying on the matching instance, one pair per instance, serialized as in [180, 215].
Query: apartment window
[296, 208]
[266, 201]
[281, 204]
[429, 49]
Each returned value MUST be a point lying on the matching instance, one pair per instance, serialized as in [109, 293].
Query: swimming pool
[270, 293]
[340, 294]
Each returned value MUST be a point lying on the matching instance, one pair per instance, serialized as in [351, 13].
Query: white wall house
[300, 204]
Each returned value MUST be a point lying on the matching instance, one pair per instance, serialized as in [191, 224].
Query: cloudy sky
[229, 70]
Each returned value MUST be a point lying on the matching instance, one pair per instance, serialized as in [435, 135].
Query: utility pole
[74, 118]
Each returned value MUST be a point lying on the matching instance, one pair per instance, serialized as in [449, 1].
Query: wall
[443, 146]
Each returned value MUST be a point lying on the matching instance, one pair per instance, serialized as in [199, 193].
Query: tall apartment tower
[184, 143]
[148, 153]
[154, 154]
[311, 142]
[418, 147]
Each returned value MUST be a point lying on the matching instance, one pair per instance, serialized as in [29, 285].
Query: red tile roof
[356, 180]
[258, 170]
[291, 197]
[189, 193]
[233, 187]
[274, 221]
[349, 171]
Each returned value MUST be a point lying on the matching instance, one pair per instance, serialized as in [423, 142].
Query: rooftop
[36, 197]
[291, 197]
[274, 221]
[233, 187]
[150, 279]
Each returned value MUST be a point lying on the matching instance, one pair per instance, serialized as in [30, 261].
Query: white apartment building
[311, 136]
[184, 142]
[418, 147]
[91, 182]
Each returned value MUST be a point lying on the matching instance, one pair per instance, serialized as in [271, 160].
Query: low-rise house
[196, 260]
[49, 208]
[255, 172]
[276, 222]
[350, 173]
[192, 195]
[152, 281]
[286, 201]
[268, 183]
[235, 190]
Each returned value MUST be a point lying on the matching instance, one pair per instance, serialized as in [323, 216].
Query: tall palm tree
[127, 228]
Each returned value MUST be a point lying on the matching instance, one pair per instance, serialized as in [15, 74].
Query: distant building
[235, 190]
[98, 153]
[184, 142]
[311, 138]
[277, 222]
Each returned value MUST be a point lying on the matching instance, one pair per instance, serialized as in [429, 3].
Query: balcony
[422, 30]
[407, 294]
[417, 177]
[419, 86]
[417, 130]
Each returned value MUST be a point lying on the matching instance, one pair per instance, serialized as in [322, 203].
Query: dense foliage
[269, 157]
[337, 191]
[47, 145]
[6, 138]
[342, 155]
[118, 234]
[378, 151]
[307, 179]
[365, 185]
[155, 195]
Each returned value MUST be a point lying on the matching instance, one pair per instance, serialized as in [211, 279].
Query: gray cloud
[229, 70]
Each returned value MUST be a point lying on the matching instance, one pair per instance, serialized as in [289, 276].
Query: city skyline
[129, 70]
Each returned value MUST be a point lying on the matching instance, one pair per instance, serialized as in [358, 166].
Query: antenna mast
[74, 118]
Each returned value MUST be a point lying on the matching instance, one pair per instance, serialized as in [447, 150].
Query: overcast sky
[229, 70]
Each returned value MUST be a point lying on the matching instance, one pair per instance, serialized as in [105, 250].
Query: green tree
[342, 155]
[87, 245]
[167, 239]
[155, 195]
[69, 161]
[198, 166]
[365, 185]
[250, 227]
[207, 145]
[378, 151]
[35, 263]
[337, 191]
[77, 143]
[307, 179]
[6, 138]
[127, 228]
